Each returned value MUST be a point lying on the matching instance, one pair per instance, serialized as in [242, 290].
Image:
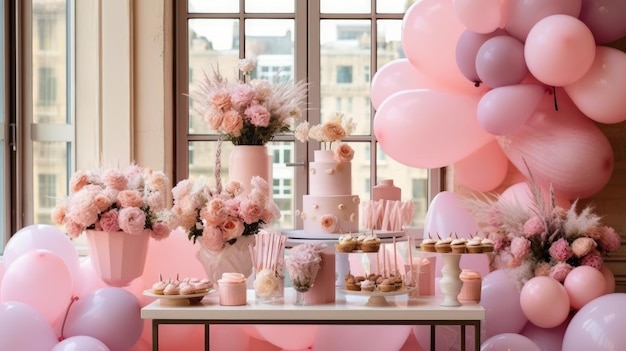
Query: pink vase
[118, 257]
[247, 161]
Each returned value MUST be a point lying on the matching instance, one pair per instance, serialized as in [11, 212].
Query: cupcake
[474, 246]
[359, 241]
[367, 285]
[347, 243]
[371, 243]
[487, 245]
[387, 285]
[459, 245]
[171, 288]
[159, 287]
[428, 245]
[232, 289]
[443, 245]
[352, 285]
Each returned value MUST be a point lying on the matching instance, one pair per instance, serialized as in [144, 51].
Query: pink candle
[323, 290]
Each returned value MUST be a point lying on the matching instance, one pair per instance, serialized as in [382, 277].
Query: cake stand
[376, 298]
[450, 283]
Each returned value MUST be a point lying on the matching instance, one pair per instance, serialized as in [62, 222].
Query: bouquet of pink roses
[218, 217]
[132, 200]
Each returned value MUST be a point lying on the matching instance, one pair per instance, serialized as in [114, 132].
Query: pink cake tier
[330, 188]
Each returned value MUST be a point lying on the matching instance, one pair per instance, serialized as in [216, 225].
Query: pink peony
[115, 179]
[156, 181]
[233, 188]
[328, 223]
[232, 228]
[160, 230]
[83, 209]
[560, 250]
[132, 220]
[73, 229]
[593, 259]
[520, 247]
[221, 102]
[102, 202]
[58, 213]
[257, 115]
[559, 271]
[242, 96]
[155, 201]
[533, 227]
[250, 211]
[212, 239]
[109, 221]
[78, 181]
[130, 198]
[232, 123]
[214, 119]
[583, 246]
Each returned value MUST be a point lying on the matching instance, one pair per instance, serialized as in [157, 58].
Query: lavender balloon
[500, 61]
[466, 49]
[605, 19]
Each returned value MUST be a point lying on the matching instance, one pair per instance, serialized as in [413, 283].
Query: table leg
[432, 338]
[463, 337]
[207, 334]
[477, 336]
[155, 335]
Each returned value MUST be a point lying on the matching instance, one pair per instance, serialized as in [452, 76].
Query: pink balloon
[599, 325]
[552, 43]
[88, 280]
[609, 278]
[111, 315]
[505, 109]
[432, 24]
[509, 342]
[82, 343]
[24, 279]
[24, 328]
[597, 93]
[291, 337]
[412, 344]
[583, 284]
[466, 50]
[42, 236]
[364, 337]
[500, 298]
[522, 15]
[483, 170]
[544, 301]
[546, 338]
[2, 270]
[480, 16]
[520, 193]
[424, 140]
[605, 19]
[500, 61]
[446, 216]
[396, 76]
[563, 148]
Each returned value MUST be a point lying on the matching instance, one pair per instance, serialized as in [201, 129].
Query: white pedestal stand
[450, 284]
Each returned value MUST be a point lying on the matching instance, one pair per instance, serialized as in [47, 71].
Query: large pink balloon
[42, 236]
[500, 298]
[544, 301]
[500, 61]
[522, 15]
[598, 93]
[563, 148]
[444, 131]
[364, 337]
[520, 193]
[509, 342]
[82, 343]
[111, 315]
[291, 337]
[446, 216]
[23, 328]
[609, 278]
[483, 170]
[552, 43]
[583, 284]
[599, 325]
[546, 338]
[504, 110]
[396, 76]
[480, 16]
[23, 282]
[605, 19]
[430, 31]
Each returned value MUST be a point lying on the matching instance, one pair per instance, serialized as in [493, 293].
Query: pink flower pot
[118, 258]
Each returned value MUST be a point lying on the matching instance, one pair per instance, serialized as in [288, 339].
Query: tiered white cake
[330, 207]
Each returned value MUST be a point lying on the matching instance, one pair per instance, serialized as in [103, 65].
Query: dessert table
[347, 310]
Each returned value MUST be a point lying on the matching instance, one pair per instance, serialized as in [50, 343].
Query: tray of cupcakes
[177, 291]
[366, 242]
[375, 286]
[454, 244]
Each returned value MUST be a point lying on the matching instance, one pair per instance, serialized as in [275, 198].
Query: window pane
[3, 147]
[345, 6]
[393, 6]
[50, 178]
[271, 37]
[220, 6]
[345, 55]
[264, 6]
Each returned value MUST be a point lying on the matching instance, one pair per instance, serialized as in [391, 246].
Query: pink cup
[232, 294]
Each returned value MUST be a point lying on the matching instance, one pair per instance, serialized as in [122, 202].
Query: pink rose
[232, 229]
[560, 250]
[343, 153]
[232, 123]
[132, 220]
[83, 209]
[109, 221]
[73, 229]
[182, 189]
[242, 96]
[115, 179]
[155, 201]
[157, 181]
[233, 187]
[250, 211]
[160, 230]
[328, 223]
[58, 214]
[221, 101]
[214, 119]
[212, 239]
[78, 181]
[130, 198]
[257, 115]
[102, 202]
[211, 219]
